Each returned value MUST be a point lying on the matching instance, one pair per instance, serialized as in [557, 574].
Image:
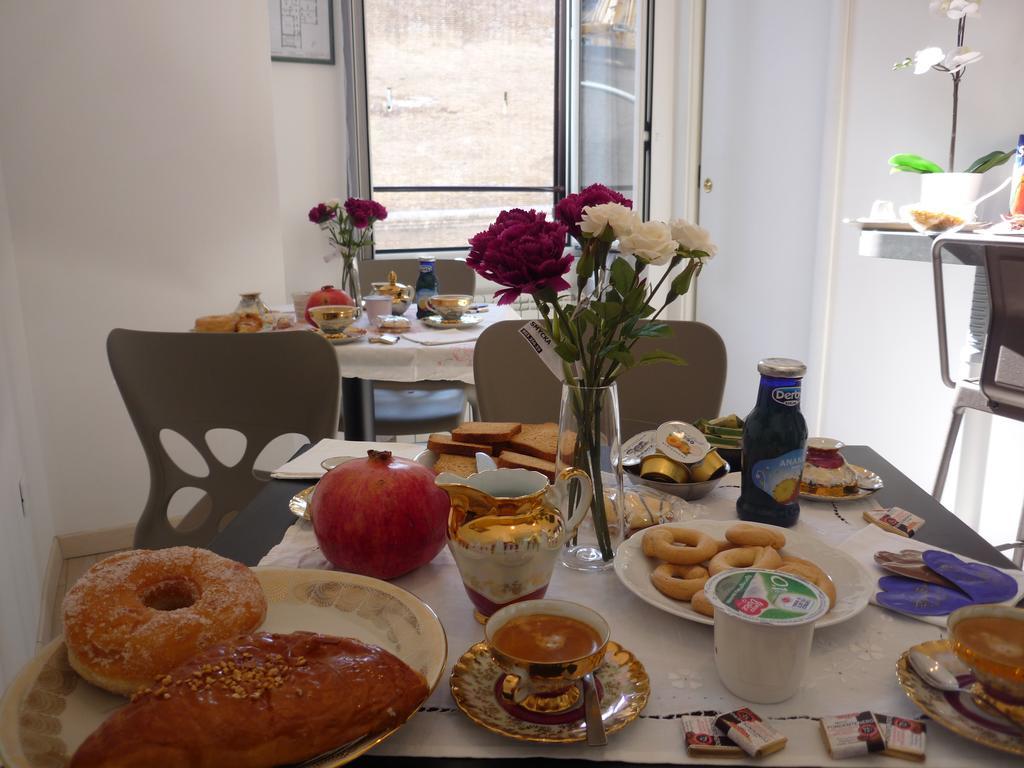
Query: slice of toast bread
[458, 465]
[440, 443]
[489, 432]
[540, 440]
[513, 460]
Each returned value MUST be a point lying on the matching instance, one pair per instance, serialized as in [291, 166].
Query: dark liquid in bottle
[426, 287]
[774, 446]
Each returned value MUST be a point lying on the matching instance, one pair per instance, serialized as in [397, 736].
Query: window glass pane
[460, 93]
[607, 93]
[446, 219]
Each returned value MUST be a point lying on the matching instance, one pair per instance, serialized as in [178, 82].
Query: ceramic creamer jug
[506, 528]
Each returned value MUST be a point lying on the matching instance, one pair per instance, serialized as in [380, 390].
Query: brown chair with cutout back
[514, 385]
[423, 406]
[261, 385]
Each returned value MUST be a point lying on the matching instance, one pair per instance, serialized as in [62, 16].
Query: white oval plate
[867, 483]
[48, 710]
[854, 585]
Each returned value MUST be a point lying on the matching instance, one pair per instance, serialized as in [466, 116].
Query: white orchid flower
[597, 217]
[650, 241]
[927, 58]
[954, 9]
[958, 58]
[692, 237]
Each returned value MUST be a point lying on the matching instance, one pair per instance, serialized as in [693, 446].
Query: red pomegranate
[380, 516]
[327, 295]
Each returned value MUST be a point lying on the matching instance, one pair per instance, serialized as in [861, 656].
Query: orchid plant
[954, 63]
[611, 302]
[349, 227]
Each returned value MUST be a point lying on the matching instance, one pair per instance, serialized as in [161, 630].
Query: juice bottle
[774, 444]
[426, 287]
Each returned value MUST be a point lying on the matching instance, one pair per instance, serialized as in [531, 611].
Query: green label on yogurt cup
[767, 596]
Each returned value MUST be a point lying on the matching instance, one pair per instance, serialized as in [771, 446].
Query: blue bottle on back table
[774, 446]
[426, 287]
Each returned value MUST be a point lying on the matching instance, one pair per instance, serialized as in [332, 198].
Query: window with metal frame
[457, 111]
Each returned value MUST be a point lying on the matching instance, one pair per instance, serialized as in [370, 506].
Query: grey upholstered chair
[1000, 389]
[261, 385]
[425, 406]
[512, 383]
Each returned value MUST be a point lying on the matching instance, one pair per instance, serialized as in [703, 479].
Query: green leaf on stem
[654, 330]
[622, 275]
[659, 356]
[990, 161]
[912, 164]
[681, 282]
[567, 351]
[607, 310]
[622, 356]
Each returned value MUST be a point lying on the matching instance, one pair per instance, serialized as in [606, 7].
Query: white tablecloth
[852, 666]
[409, 361]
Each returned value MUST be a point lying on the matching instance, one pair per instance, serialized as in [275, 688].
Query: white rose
[691, 237]
[649, 241]
[597, 217]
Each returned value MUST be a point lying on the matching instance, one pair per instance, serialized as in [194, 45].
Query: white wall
[882, 383]
[26, 525]
[137, 147]
[310, 139]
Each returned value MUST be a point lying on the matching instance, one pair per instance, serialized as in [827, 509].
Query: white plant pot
[943, 191]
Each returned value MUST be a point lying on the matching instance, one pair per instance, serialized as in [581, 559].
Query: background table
[247, 539]
[406, 361]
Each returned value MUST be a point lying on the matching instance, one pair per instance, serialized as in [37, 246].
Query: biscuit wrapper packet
[702, 738]
[852, 735]
[904, 738]
[645, 507]
[753, 735]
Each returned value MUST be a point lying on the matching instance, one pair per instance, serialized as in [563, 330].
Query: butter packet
[703, 738]
[752, 734]
[896, 520]
[852, 735]
[904, 738]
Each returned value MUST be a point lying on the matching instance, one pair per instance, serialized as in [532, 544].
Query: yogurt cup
[764, 625]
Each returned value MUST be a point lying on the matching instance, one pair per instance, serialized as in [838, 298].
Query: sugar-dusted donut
[700, 603]
[747, 535]
[813, 573]
[138, 614]
[745, 557]
[680, 582]
[678, 546]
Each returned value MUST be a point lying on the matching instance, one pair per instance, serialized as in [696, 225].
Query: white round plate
[48, 710]
[466, 321]
[854, 585]
[867, 483]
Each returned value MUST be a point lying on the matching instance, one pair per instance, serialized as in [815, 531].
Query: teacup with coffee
[989, 639]
[545, 647]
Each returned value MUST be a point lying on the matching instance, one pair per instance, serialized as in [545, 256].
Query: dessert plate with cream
[827, 476]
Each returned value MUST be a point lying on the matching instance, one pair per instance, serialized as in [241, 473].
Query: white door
[761, 145]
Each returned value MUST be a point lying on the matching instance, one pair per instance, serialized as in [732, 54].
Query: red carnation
[522, 251]
[320, 213]
[569, 210]
[365, 212]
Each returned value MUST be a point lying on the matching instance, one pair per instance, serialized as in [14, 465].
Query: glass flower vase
[350, 278]
[588, 438]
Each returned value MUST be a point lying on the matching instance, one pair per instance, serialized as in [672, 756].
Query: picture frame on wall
[302, 31]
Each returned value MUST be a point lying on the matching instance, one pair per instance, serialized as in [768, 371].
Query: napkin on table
[307, 466]
[436, 338]
[861, 546]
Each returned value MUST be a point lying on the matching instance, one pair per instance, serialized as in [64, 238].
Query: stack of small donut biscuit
[690, 557]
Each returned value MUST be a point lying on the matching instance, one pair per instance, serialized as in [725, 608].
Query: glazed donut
[745, 557]
[680, 582]
[664, 543]
[746, 535]
[700, 603]
[813, 573]
[136, 615]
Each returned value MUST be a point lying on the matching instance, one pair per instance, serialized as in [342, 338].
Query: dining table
[423, 353]
[852, 666]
